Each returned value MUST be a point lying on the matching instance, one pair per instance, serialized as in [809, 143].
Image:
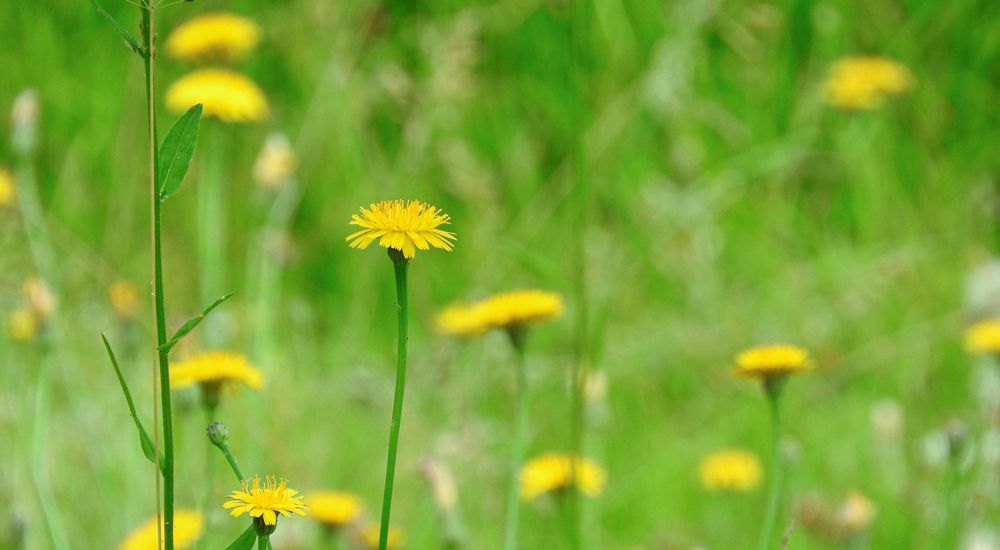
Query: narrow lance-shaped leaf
[191, 324]
[176, 151]
[144, 440]
[245, 541]
[133, 44]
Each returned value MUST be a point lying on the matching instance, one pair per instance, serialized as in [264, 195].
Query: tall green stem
[517, 445]
[149, 57]
[399, 264]
[211, 222]
[774, 488]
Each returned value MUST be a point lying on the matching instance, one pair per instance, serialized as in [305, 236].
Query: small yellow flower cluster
[863, 82]
[188, 527]
[401, 225]
[24, 323]
[511, 309]
[554, 472]
[265, 500]
[216, 368]
[734, 470]
[983, 337]
[225, 94]
[8, 191]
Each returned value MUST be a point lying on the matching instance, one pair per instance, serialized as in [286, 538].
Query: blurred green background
[726, 204]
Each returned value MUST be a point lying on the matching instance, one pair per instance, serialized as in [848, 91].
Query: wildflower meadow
[519, 274]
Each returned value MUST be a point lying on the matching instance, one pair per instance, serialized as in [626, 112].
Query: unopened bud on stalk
[218, 434]
[24, 123]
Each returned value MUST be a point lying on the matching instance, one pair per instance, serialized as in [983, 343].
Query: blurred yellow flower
[188, 527]
[265, 500]
[730, 470]
[863, 82]
[766, 362]
[216, 368]
[124, 299]
[334, 508]
[215, 35]
[553, 472]
[856, 512]
[983, 337]
[225, 95]
[404, 226]
[275, 164]
[39, 297]
[8, 191]
[369, 537]
[22, 325]
[508, 310]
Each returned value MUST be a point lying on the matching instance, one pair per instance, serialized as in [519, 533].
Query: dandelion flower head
[226, 95]
[188, 527]
[730, 470]
[22, 325]
[508, 310]
[553, 472]
[401, 225]
[265, 500]
[216, 35]
[218, 368]
[863, 82]
[334, 508]
[124, 299]
[370, 534]
[766, 362]
[8, 192]
[983, 337]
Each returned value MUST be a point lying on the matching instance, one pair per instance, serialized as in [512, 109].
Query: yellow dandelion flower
[265, 501]
[508, 310]
[551, 472]
[369, 537]
[334, 508]
[124, 299]
[216, 368]
[275, 164]
[39, 297]
[8, 191]
[188, 527]
[216, 35]
[225, 95]
[863, 82]
[404, 226]
[730, 470]
[22, 325]
[983, 337]
[856, 512]
[767, 362]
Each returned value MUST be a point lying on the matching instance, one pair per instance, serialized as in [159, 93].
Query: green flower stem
[147, 26]
[774, 489]
[517, 338]
[400, 265]
[953, 504]
[211, 221]
[209, 470]
[263, 542]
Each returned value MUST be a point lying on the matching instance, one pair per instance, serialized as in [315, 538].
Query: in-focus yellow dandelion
[983, 337]
[226, 95]
[370, 534]
[863, 82]
[856, 513]
[39, 297]
[213, 371]
[213, 36]
[275, 164]
[188, 527]
[510, 310]
[334, 509]
[401, 225]
[734, 470]
[8, 191]
[553, 472]
[772, 362]
[22, 325]
[264, 501]
[124, 299]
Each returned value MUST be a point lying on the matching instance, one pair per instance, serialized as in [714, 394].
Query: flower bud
[218, 434]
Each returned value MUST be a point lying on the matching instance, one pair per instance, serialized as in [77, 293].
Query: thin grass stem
[517, 337]
[774, 487]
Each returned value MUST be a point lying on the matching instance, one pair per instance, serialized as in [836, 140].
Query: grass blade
[192, 323]
[132, 42]
[176, 151]
[144, 440]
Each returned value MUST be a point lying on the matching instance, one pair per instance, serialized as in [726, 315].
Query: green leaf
[145, 441]
[191, 324]
[133, 44]
[176, 151]
[245, 541]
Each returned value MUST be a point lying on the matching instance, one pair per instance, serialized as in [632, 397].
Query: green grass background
[728, 206]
